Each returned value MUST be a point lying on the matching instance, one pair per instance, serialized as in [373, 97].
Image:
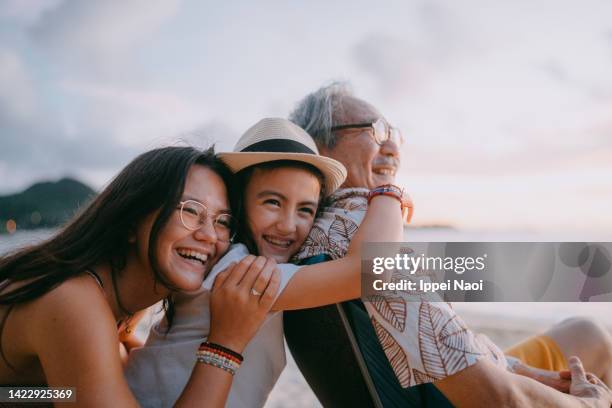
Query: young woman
[62, 302]
[283, 179]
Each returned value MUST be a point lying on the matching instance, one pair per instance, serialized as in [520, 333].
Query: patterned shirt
[424, 341]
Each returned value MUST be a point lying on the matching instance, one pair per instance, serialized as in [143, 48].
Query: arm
[74, 352]
[236, 315]
[339, 280]
[486, 385]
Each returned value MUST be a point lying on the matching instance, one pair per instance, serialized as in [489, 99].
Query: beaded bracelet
[224, 364]
[214, 346]
[219, 359]
[219, 356]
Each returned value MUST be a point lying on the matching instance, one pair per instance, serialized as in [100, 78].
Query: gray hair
[319, 111]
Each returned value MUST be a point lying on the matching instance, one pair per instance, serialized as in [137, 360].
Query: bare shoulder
[73, 314]
[76, 309]
[73, 334]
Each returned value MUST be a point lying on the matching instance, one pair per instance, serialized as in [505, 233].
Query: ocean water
[9, 242]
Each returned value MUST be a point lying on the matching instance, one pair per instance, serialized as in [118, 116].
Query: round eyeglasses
[195, 214]
[381, 131]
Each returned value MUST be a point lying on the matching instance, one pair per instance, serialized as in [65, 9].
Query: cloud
[133, 116]
[89, 128]
[79, 104]
[595, 87]
[214, 132]
[392, 63]
[548, 152]
[34, 142]
[18, 99]
[432, 39]
[26, 12]
[483, 91]
[100, 35]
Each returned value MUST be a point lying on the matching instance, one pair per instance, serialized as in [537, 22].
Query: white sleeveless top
[158, 372]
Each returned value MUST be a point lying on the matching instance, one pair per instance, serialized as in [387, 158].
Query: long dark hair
[242, 179]
[155, 180]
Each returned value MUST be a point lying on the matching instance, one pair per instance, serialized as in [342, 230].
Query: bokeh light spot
[11, 226]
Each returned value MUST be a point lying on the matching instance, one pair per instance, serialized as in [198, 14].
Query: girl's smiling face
[186, 256]
[280, 205]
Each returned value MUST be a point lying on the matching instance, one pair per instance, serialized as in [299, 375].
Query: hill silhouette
[44, 204]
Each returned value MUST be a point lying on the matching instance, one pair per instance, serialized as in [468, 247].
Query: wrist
[514, 364]
[398, 193]
[219, 356]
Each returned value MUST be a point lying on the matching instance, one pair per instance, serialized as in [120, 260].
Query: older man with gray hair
[351, 355]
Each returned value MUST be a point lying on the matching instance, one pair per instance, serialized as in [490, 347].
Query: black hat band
[278, 146]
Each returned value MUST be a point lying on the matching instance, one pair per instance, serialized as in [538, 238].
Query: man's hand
[557, 380]
[587, 386]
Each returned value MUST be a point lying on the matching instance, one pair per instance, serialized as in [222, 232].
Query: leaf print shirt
[424, 341]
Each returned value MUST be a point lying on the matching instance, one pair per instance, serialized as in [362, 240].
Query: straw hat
[273, 139]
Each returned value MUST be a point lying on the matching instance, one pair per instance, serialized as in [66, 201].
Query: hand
[236, 313]
[586, 386]
[553, 379]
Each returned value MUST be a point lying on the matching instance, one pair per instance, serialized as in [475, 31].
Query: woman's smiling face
[280, 205]
[186, 256]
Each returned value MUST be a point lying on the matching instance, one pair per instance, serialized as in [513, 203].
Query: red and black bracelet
[390, 190]
[398, 193]
[219, 349]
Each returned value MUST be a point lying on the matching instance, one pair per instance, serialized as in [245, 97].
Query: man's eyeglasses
[381, 131]
[195, 214]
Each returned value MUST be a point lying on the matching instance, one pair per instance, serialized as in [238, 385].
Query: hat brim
[333, 171]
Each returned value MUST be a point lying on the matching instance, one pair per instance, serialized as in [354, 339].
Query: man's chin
[380, 179]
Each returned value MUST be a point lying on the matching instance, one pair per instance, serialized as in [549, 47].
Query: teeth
[187, 253]
[280, 242]
[386, 172]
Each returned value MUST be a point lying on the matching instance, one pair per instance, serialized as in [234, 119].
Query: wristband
[391, 190]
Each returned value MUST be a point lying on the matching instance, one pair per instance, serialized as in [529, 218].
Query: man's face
[368, 164]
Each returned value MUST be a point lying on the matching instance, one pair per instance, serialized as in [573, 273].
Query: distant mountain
[44, 205]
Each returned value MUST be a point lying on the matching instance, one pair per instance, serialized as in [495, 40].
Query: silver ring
[254, 292]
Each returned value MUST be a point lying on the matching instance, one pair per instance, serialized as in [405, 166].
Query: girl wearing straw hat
[282, 179]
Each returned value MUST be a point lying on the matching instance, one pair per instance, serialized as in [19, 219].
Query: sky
[506, 107]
